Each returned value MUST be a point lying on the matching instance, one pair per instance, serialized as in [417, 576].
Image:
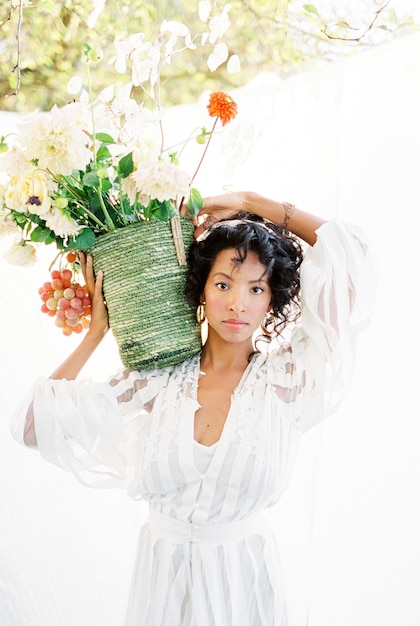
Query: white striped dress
[206, 556]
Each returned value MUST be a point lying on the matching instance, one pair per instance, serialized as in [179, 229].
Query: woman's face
[237, 296]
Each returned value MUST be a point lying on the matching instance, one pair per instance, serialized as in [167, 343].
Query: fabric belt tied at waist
[181, 531]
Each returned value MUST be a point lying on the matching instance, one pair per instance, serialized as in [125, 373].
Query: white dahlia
[57, 140]
[62, 224]
[162, 181]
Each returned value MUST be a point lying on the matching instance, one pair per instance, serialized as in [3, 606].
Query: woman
[210, 443]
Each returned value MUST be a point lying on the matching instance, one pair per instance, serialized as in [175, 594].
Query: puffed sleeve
[91, 429]
[337, 297]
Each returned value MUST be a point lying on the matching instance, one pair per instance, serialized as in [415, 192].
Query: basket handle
[178, 240]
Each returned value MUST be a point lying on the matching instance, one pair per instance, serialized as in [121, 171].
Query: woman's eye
[222, 286]
[257, 290]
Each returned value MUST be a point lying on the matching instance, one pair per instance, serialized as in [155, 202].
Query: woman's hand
[224, 205]
[218, 208]
[97, 328]
[99, 322]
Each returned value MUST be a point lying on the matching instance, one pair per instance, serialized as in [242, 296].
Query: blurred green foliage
[45, 39]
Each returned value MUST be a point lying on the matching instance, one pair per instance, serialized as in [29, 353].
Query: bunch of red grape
[66, 300]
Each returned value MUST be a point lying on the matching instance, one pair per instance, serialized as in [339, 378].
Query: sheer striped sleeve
[337, 297]
[89, 428]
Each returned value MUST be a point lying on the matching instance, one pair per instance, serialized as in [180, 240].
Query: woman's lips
[234, 324]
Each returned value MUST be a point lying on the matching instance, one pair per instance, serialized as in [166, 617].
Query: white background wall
[340, 141]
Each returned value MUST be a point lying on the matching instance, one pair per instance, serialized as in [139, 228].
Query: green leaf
[160, 213]
[104, 137]
[90, 179]
[83, 241]
[19, 218]
[126, 165]
[170, 209]
[41, 235]
[311, 8]
[103, 154]
[195, 202]
[106, 185]
[151, 208]
[345, 24]
[163, 211]
[93, 201]
[173, 157]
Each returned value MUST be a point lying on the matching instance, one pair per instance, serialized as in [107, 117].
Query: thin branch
[356, 39]
[8, 18]
[204, 152]
[286, 25]
[17, 67]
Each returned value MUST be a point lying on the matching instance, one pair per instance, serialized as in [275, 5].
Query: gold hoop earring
[201, 313]
[268, 324]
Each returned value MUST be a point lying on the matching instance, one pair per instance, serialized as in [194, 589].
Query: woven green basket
[144, 291]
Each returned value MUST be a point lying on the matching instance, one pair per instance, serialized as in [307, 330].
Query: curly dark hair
[277, 249]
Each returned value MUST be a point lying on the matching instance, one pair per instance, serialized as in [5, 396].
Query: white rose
[7, 225]
[23, 254]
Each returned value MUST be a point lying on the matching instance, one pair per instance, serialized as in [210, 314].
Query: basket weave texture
[144, 290]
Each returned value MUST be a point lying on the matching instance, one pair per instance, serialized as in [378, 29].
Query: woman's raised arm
[300, 223]
[98, 327]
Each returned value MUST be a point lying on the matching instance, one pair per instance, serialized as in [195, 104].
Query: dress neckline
[237, 389]
[202, 445]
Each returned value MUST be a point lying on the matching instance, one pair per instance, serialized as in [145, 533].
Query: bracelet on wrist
[289, 209]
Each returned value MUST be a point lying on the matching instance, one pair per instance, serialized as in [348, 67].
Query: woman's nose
[237, 302]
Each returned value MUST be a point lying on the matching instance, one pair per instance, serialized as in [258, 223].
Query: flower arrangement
[99, 164]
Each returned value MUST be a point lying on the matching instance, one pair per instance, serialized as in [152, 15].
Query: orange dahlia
[221, 105]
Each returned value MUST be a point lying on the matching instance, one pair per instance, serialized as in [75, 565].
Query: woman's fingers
[82, 261]
[99, 318]
[204, 225]
[99, 313]
[215, 208]
[98, 284]
[224, 205]
[86, 265]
